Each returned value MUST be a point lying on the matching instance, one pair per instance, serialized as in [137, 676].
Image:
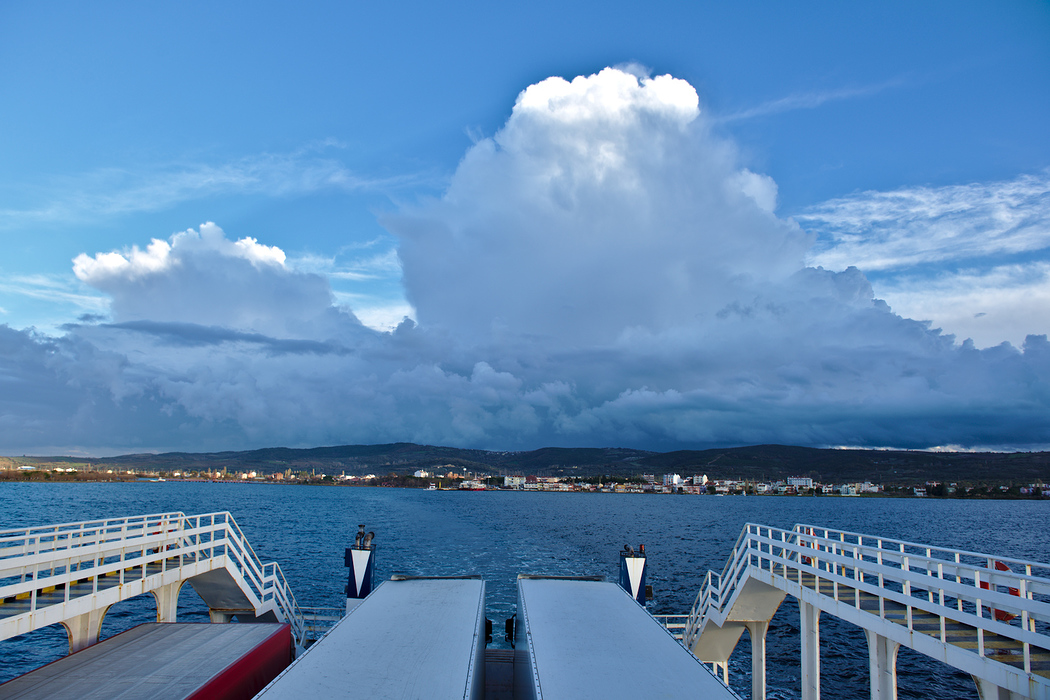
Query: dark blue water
[501, 534]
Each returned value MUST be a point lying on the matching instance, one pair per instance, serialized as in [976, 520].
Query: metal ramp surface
[152, 661]
[412, 637]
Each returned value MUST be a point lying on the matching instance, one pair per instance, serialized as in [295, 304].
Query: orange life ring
[806, 560]
[163, 532]
[1002, 615]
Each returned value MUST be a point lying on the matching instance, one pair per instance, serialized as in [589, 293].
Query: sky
[661, 225]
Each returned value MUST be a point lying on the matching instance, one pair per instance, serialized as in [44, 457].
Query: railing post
[1026, 649]
[858, 574]
[929, 572]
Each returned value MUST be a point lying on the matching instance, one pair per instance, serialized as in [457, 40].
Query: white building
[700, 480]
[672, 480]
[514, 482]
[800, 482]
[421, 474]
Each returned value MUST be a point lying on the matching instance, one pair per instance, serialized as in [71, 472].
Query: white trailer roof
[590, 639]
[410, 638]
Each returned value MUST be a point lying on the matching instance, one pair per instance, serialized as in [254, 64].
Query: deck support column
[83, 630]
[810, 646]
[757, 631]
[987, 690]
[167, 598]
[221, 616]
[882, 666]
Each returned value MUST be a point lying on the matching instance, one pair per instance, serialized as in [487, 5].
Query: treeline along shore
[958, 474]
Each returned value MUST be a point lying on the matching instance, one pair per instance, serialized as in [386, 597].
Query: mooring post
[882, 666]
[360, 559]
[632, 572]
[809, 630]
[757, 631]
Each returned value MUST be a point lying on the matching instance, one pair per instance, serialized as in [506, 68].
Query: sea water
[499, 534]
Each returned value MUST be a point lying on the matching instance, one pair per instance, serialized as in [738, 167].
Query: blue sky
[383, 164]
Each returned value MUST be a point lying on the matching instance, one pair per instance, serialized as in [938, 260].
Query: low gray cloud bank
[602, 271]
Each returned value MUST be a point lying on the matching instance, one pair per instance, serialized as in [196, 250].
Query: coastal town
[450, 477]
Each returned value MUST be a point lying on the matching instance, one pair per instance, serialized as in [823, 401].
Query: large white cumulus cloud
[602, 271]
[603, 203]
[202, 277]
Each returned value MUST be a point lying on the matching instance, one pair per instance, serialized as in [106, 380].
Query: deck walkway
[72, 573]
[988, 616]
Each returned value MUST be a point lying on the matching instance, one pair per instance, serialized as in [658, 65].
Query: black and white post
[632, 572]
[360, 559]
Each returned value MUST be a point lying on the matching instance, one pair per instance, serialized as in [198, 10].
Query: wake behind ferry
[570, 636]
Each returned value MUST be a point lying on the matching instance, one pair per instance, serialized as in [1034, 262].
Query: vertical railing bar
[858, 574]
[1031, 595]
[835, 551]
[785, 556]
[1022, 589]
[978, 601]
[906, 586]
[929, 572]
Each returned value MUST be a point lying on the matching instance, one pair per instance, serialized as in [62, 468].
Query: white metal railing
[319, 620]
[897, 581]
[36, 562]
[675, 624]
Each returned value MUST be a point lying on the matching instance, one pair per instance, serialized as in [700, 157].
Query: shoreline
[41, 477]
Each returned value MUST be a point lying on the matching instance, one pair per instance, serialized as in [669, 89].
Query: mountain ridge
[754, 462]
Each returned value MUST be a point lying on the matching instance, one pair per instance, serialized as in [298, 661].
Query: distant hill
[755, 462]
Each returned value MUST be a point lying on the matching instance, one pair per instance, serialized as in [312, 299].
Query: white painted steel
[581, 638]
[409, 639]
[58, 573]
[926, 598]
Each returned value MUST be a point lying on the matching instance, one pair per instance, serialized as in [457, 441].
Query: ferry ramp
[986, 615]
[72, 573]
